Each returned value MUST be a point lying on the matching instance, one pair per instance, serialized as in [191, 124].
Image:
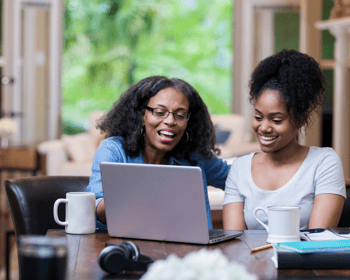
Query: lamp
[7, 127]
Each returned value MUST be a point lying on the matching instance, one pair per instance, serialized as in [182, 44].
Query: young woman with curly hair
[159, 121]
[285, 89]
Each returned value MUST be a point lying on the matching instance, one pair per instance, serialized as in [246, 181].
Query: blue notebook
[316, 246]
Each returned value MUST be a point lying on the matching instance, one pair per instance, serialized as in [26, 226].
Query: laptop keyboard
[216, 233]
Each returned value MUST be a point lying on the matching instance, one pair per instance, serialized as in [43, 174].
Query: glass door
[10, 64]
[30, 62]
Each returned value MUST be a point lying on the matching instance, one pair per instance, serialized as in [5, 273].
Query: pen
[267, 246]
[312, 230]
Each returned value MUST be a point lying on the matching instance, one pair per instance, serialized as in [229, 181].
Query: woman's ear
[301, 123]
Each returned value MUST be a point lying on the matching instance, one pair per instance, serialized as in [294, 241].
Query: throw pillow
[80, 147]
[221, 135]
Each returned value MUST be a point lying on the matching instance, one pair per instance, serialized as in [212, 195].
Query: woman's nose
[265, 126]
[170, 119]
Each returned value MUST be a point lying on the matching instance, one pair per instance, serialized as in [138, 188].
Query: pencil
[267, 246]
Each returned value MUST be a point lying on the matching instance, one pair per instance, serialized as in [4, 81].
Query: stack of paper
[326, 235]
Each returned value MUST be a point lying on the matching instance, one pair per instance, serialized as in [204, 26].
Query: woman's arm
[330, 191]
[233, 216]
[109, 150]
[216, 171]
[101, 212]
[326, 210]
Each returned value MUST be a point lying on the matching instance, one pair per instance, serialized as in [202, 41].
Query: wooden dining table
[83, 251]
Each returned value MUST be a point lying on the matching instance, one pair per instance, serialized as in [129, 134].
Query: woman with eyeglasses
[159, 121]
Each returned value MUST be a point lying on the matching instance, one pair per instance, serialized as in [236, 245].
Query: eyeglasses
[164, 113]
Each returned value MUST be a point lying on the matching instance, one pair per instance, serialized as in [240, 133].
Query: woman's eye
[160, 112]
[277, 121]
[257, 118]
[181, 116]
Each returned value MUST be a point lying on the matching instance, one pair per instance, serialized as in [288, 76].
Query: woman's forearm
[326, 211]
[101, 212]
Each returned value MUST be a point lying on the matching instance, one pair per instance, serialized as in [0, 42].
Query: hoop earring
[187, 137]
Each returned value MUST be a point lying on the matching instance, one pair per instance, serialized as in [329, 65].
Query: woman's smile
[166, 135]
[267, 139]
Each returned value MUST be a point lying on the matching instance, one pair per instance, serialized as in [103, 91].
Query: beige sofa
[72, 155]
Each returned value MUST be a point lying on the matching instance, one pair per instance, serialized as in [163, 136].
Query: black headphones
[126, 256]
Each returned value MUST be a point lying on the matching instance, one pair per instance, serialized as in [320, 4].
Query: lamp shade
[7, 126]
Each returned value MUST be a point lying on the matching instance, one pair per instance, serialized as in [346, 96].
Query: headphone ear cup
[112, 259]
[132, 249]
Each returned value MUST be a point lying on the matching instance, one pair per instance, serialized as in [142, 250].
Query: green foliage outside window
[111, 44]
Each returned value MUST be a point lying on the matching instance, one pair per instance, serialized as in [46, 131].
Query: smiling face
[275, 128]
[163, 134]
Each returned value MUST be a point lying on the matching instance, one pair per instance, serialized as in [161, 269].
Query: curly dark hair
[126, 116]
[296, 76]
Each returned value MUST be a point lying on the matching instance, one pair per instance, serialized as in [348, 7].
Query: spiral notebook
[158, 202]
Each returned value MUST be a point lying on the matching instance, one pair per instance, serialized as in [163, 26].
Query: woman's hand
[326, 211]
[101, 212]
[233, 216]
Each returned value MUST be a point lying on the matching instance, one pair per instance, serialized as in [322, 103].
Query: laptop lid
[156, 202]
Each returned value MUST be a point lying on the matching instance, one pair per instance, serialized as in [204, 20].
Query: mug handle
[55, 211]
[256, 218]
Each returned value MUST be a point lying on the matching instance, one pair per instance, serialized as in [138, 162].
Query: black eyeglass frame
[167, 114]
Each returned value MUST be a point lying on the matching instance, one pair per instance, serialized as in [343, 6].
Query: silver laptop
[157, 202]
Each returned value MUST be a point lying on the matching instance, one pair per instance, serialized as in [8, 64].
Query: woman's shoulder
[324, 155]
[113, 144]
[244, 158]
[322, 152]
[111, 149]
[243, 161]
[112, 141]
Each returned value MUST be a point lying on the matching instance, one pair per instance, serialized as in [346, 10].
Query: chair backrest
[31, 201]
[345, 215]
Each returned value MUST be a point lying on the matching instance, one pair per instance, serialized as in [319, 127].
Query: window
[110, 45]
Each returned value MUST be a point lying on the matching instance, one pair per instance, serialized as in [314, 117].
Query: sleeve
[232, 193]
[216, 171]
[108, 151]
[329, 177]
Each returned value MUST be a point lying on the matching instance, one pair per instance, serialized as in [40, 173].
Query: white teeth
[166, 133]
[268, 138]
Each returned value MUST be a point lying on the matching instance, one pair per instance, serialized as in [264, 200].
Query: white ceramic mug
[80, 212]
[283, 223]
